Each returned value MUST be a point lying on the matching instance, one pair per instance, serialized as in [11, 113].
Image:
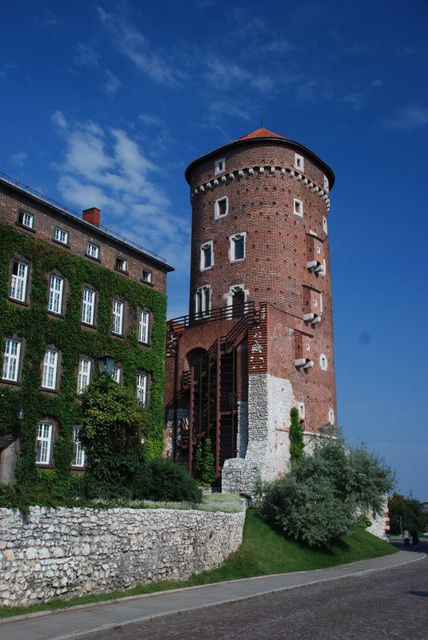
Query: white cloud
[18, 159]
[86, 55]
[223, 75]
[112, 83]
[355, 99]
[47, 19]
[413, 117]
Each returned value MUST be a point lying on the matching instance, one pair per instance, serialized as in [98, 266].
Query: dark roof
[69, 213]
[259, 136]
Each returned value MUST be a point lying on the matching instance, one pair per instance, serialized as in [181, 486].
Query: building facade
[71, 292]
[258, 339]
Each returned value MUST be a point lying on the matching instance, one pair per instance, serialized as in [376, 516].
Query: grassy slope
[263, 552]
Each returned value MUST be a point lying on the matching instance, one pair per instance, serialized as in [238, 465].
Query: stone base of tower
[267, 454]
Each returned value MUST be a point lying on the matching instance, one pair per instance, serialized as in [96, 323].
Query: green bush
[412, 516]
[297, 444]
[324, 494]
[165, 481]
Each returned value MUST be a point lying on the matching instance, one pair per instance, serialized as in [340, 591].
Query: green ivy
[39, 329]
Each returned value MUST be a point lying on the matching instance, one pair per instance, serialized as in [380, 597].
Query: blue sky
[104, 104]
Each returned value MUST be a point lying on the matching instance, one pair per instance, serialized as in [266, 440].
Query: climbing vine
[38, 329]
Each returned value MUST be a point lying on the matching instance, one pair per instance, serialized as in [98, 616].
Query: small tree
[412, 516]
[208, 475]
[297, 444]
[198, 467]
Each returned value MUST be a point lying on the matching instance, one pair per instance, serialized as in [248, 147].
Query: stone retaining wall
[68, 552]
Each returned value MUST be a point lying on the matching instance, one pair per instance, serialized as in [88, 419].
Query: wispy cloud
[412, 117]
[112, 83]
[47, 19]
[224, 74]
[18, 159]
[107, 168]
[355, 99]
[131, 43]
[86, 55]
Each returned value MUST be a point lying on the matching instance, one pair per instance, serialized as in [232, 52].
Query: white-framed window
[84, 374]
[117, 317]
[56, 293]
[298, 207]
[50, 369]
[61, 235]
[299, 162]
[331, 416]
[323, 362]
[44, 443]
[237, 247]
[325, 225]
[121, 264]
[18, 282]
[221, 207]
[219, 166]
[93, 250]
[142, 379]
[88, 306]
[147, 276]
[321, 303]
[326, 184]
[11, 357]
[207, 255]
[78, 450]
[203, 300]
[301, 409]
[26, 219]
[308, 346]
[117, 374]
[144, 326]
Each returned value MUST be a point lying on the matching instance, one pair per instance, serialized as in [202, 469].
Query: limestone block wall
[68, 552]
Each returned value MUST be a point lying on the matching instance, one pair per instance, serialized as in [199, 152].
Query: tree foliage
[297, 444]
[412, 516]
[324, 494]
[204, 466]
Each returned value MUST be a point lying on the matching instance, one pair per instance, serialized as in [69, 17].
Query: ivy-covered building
[72, 292]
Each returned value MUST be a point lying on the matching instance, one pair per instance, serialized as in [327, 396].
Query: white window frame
[144, 326]
[142, 384]
[44, 437]
[232, 247]
[325, 225]
[323, 362]
[219, 166]
[88, 306]
[148, 279]
[326, 183]
[56, 294]
[19, 281]
[331, 416]
[206, 245]
[117, 317]
[123, 262]
[50, 369]
[298, 207]
[61, 235]
[79, 457]
[11, 360]
[93, 250]
[217, 214]
[201, 307]
[299, 162]
[26, 219]
[84, 374]
[117, 374]
[301, 410]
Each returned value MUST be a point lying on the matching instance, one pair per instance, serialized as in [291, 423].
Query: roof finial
[262, 115]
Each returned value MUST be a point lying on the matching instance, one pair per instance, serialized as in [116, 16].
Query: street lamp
[105, 364]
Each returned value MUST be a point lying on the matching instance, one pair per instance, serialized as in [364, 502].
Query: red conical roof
[261, 133]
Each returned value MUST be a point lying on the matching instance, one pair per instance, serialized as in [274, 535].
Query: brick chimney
[92, 215]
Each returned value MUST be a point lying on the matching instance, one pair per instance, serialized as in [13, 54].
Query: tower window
[298, 207]
[301, 409]
[299, 162]
[324, 225]
[326, 185]
[121, 264]
[25, 219]
[61, 236]
[331, 416]
[207, 255]
[203, 301]
[237, 247]
[221, 207]
[146, 276]
[219, 166]
[323, 362]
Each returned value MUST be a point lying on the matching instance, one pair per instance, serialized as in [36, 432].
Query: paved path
[87, 619]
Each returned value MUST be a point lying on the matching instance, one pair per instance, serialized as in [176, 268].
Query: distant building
[258, 339]
[71, 292]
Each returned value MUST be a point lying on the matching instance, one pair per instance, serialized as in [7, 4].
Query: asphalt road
[386, 604]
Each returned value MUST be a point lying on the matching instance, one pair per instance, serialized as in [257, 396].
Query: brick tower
[258, 339]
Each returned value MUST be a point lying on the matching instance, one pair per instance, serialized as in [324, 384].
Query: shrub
[324, 494]
[164, 481]
[412, 516]
[297, 444]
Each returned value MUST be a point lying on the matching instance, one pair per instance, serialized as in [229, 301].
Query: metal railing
[214, 315]
[46, 199]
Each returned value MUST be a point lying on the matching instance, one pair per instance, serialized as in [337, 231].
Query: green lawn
[262, 552]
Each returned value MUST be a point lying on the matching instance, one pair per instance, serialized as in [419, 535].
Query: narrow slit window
[298, 207]
[221, 207]
[207, 257]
